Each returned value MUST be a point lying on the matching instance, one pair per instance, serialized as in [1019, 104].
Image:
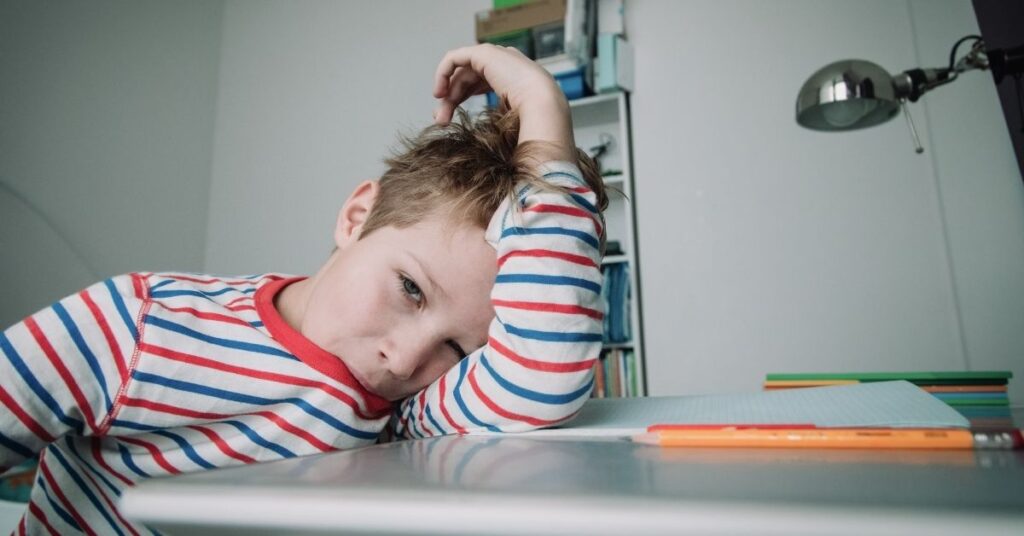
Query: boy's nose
[405, 358]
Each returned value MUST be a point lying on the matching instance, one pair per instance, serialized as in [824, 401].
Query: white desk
[524, 485]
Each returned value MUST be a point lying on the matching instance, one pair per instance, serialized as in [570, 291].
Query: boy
[154, 374]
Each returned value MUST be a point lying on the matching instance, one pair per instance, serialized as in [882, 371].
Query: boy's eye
[458, 349]
[411, 289]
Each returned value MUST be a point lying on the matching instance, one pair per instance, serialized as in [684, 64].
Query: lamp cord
[952, 53]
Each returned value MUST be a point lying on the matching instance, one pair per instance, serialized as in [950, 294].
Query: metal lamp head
[847, 95]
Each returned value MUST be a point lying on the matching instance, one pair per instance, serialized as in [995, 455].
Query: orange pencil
[825, 438]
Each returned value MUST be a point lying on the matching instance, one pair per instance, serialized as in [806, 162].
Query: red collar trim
[306, 350]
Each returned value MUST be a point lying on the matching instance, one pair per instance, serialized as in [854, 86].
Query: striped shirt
[154, 374]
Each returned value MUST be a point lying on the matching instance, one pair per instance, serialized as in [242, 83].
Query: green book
[927, 378]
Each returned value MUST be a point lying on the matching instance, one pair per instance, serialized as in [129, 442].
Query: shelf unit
[594, 120]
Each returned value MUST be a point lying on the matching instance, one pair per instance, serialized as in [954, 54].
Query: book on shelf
[615, 374]
[617, 295]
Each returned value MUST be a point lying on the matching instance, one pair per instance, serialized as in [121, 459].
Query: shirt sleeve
[61, 368]
[537, 367]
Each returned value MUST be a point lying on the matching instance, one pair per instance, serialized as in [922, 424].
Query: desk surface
[535, 485]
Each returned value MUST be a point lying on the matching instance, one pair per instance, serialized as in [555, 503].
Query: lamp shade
[846, 95]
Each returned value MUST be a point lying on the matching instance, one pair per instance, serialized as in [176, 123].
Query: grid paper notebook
[897, 404]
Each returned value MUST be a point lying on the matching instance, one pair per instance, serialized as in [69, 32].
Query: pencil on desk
[860, 438]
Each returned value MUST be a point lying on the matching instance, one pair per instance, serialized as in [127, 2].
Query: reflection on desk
[536, 485]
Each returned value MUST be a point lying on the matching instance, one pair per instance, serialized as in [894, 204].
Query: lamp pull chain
[910, 123]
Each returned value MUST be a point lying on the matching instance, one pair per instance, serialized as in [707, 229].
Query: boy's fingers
[461, 84]
[469, 57]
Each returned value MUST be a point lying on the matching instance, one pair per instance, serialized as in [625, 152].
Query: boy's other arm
[62, 367]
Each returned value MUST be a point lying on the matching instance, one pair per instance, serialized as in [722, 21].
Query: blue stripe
[161, 284]
[85, 489]
[16, 447]
[553, 174]
[126, 457]
[544, 398]
[549, 280]
[199, 293]
[522, 231]
[37, 388]
[256, 324]
[437, 425]
[256, 438]
[56, 507]
[226, 343]
[122, 309]
[255, 400]
[582, 201]
[94, 364]
[71, 447]
[462, 403]
[187, 449]
[553, 336]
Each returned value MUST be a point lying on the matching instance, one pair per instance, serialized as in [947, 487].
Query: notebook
[897, 404]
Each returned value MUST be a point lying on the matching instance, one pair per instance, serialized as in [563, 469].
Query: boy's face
[400, 307]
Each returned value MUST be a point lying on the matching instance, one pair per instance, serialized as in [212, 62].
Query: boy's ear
[354, 212]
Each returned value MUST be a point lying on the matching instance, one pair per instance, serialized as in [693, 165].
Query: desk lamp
[854, 94]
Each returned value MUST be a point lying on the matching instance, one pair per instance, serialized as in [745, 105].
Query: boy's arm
[536, 369]
[61, 368]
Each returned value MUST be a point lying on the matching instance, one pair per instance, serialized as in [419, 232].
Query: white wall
[106, 122]
[311, 98]
[769, 248]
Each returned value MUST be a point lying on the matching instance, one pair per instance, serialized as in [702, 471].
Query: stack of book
[980, 396]
[615, 374]
[616, 296]
[564, 36]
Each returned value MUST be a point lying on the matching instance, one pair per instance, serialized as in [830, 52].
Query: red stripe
[115, 349]
[545, 366]
[34, 508]
[537, 253]
[238, 299]
[549, 308]
[44, 467]
[24, 417]
[218, 280]
[217, 317]
[158, 456]
[173, 410]
[422, 421]
[240, 307]
[444, 410]
[253, 373]
[272, 417]
[137, 284]
[98, 456]
[502, 411]
[62, 370]
[222, 445]
[568, 211]
[289, 427]
[580, 189]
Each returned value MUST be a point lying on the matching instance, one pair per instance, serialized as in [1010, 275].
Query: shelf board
[615, 259]
[616, 345]
[594, 99]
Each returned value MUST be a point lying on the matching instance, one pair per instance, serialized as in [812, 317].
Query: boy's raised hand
[530, 90]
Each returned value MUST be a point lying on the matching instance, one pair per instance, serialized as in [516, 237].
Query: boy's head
[407, 292]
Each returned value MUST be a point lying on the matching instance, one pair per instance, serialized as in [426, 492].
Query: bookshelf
[598, 120]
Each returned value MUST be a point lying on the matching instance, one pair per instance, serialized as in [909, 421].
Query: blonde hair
[469, 166]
